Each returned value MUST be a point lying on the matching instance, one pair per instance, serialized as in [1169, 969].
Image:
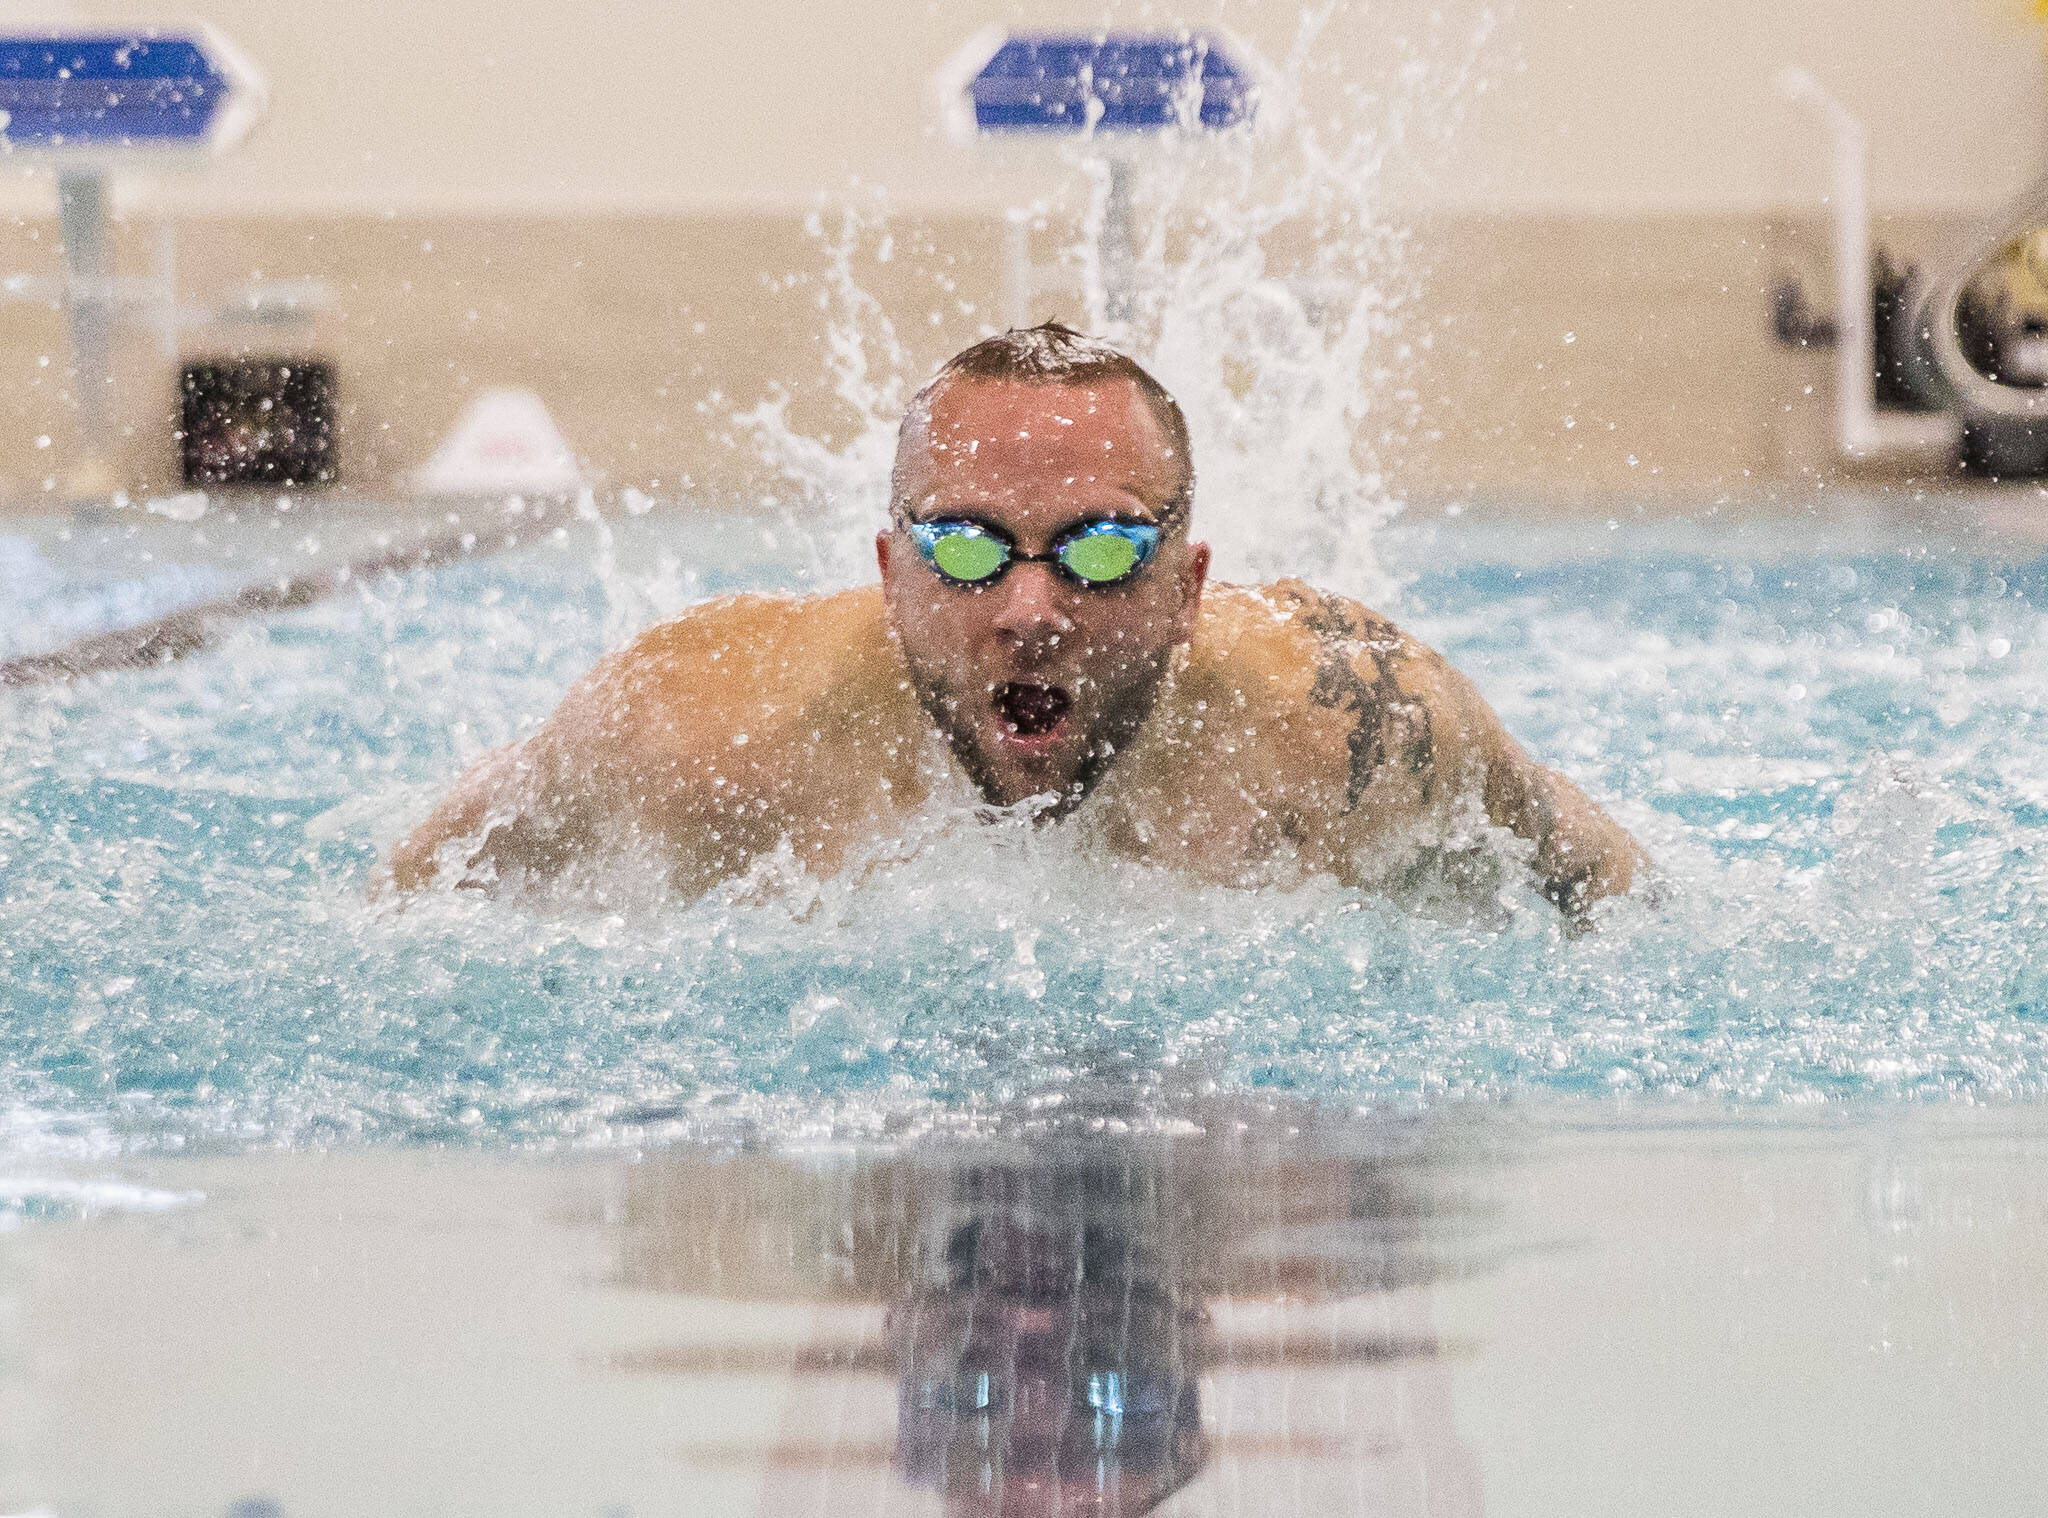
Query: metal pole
[82, 213]
[1859, 432]
[1116, 250]
[1017, 279]
[167, 316]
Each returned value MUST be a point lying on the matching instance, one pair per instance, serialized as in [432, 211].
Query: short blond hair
[1050, 353]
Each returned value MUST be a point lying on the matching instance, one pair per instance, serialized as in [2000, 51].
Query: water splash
[1841, 765]
[1272, 287]
[834, 497]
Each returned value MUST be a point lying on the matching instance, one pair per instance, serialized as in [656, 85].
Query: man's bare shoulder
[734, 668]
[1340, 699]
[1379, 728]
[1292, 616]
[1298, 640]
[676, 736]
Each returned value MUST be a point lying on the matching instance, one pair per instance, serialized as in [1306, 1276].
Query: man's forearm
[1582, 854]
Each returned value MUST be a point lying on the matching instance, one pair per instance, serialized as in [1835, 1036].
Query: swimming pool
[1827, 730]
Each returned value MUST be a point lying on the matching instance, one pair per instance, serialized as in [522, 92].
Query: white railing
[1862, 434]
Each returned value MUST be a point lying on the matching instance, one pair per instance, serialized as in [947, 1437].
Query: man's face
[1038, 682]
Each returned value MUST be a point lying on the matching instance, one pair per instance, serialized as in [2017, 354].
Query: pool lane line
[165, 639]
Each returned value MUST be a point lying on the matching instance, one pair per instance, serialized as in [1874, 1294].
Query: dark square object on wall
[258, 422]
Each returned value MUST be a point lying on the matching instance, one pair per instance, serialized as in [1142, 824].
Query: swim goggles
[1095, 555]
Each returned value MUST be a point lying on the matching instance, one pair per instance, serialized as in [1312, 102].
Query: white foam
[86, 1198]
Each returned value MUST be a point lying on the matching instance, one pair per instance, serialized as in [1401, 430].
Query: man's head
[1041, 673]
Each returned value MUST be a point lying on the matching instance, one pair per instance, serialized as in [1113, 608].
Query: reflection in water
[1048, 1352]
[1084, 1315]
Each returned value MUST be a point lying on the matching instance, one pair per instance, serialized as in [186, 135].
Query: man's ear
[1193, 576]
[882, 553]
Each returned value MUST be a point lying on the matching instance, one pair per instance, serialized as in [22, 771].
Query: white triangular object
[503, 443]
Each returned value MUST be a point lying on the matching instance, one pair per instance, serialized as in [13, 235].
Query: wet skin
[1241, 734]
[1036, 682]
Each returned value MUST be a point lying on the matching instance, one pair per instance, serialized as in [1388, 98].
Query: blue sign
[109, 90]
[1111, 82]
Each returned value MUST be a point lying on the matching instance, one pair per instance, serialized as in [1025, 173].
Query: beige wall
[645, 335]
[1630, 358]
[1608, 106]
[605, 204]
[1622, 107]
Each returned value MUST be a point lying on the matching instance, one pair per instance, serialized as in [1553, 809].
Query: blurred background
[1604, 229]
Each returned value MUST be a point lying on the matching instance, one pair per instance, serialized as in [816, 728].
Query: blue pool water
[1838, 757]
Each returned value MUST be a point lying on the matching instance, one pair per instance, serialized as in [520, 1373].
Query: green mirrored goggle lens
[968, 555]
[1099, 557]
[1099, 554]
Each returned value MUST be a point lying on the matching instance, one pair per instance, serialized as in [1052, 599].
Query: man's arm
[1582, 854]
[511, 811]
[1421, 735]
[492, 808]
[535, 806]
[673, 743]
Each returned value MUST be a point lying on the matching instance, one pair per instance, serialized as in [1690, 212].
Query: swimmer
[1043, 632]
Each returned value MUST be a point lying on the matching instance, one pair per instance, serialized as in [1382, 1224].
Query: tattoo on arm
[1384, 717]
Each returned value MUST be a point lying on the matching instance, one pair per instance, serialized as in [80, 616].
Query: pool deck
[1842, 1312]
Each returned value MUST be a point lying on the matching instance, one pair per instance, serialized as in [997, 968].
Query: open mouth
[1030, 710]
